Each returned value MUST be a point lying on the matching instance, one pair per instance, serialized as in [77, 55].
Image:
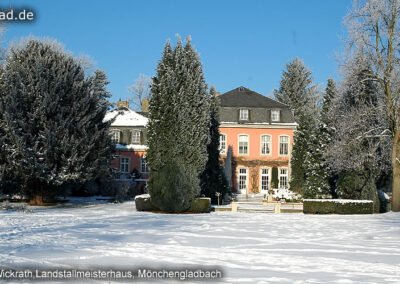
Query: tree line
[347, 142]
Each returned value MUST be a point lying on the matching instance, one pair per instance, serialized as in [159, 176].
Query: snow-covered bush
[20, 207]
[284, 193]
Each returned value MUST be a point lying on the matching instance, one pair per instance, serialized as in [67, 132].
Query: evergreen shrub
[170, 188]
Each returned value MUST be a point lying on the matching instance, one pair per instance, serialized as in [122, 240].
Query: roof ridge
[251, 92]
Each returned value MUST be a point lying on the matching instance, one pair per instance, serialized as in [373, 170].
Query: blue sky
[243, 42]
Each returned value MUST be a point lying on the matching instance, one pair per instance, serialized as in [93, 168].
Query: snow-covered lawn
[250, 247]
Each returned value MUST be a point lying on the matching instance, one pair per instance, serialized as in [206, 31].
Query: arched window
[265, 145]
[115, 135]
[283, 145]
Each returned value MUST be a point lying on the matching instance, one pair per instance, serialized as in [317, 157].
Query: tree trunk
[36, 200]
[396, 172]
[35, 189]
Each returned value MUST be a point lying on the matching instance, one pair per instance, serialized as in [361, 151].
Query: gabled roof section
[126, 117]
[243, 97]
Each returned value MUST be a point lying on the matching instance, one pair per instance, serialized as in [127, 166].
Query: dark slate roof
[243, 97]
[259, 107]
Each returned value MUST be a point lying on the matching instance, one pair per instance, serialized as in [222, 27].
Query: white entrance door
[264, 181]
[242, 180]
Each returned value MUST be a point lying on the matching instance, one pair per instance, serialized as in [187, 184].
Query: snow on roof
[126, 117]
[131, 147]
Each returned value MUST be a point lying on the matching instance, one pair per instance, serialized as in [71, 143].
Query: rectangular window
[243, 145]
[283, 178]
[244, 114]
[222, 144]
[283, 145]
[143, 165]
[264, 179]
[115, 136]
[124, 165]
[265, 145]
[274, 115]
[136, 136]
[242, 178]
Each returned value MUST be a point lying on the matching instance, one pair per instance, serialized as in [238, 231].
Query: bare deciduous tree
[374, 30]
[140, 91]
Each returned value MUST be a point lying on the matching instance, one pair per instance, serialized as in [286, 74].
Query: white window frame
[288, 145]
[282, 176]
[262, 144]
[275, 115]
[135, 135]
[144, 165]
[248, 145]
[246, 181]
[243, 114]
[268, 178]
[115, 136]
[122, 164]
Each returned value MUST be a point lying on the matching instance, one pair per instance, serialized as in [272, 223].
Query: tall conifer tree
[213, 179]
[178, 125]
[298, 92]
[52, 116]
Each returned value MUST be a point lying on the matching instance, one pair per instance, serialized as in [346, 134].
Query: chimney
[122, 104]
[145, 105]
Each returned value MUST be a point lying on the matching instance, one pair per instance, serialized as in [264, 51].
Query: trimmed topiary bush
[337, 206]
[200, 205]
[274, 178]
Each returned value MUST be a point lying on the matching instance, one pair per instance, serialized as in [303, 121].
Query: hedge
[200, 205]
[337, 206]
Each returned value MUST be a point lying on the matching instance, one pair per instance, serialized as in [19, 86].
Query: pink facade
[232, 138]
[135, 160]
[264, 152]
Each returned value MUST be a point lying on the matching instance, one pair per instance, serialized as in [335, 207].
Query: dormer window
[275, 115]
[136, 136]
[115, 136]
[243, 114]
